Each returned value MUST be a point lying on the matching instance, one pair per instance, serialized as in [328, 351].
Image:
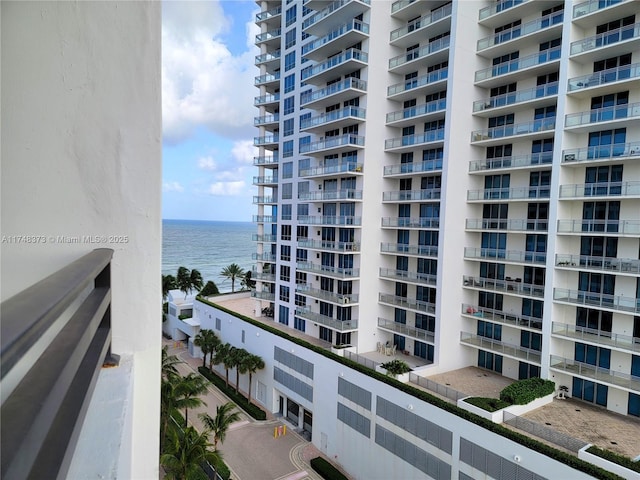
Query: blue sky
[207, 106]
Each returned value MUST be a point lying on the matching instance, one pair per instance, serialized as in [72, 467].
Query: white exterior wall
[81, 155]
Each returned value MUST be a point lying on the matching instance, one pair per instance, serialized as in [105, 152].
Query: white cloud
[208, 164]
[172, 187]
[203, 84]
[243, 152]
[227, 188]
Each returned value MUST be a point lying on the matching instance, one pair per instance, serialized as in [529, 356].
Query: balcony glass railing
[517, 193]
[355, 112]
[333, 323]
[354, 24]
[425, 20]
[263, 277]
[510, 286]
[430, 78]
[267, 139]
[267, 78]
[265, 119]
[519, 64]
[403, 275]
[333, 142]
[502, 348]
[265, 160]
[515, 129]
[329, 220]
[604, 39]
[272, 35]
[421, 52]
[608, 189]
[498, 7]
[265, 218]
[520, 30]
[346, 194]
[516, 161]
[609, 264]
[425, 166]
[624, 72]
[410, 303]
[264, 99]
[501, 316]
[628, 227]
[606, 114]
[329, 245]
[418, 139]
[406, 330]
[328, 270]
[512, 225]
[592, 6]
[267, 57]
[400, 4]
[268, 199]
[264, 257]
[601, 152]
[513, 98]
[594, 299]
[347, 55]
[417, 111]
[601, 337]
[411, 195]
[502, 255]
[263, 295]
[340, 298]
[332, 7]
[331, 169]
[262, 16]
[604, 375]
[264, 238]
[407, 222]
[333, 89]
[258, 180]
[421, 250]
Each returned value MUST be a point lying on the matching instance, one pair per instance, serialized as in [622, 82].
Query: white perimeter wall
[81, 155]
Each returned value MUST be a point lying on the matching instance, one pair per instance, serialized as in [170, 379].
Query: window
[531, 340]
[552, 15]
[593, 321]
[284, 296]
[542, 151]
[604, 180]
[343, 338]
[301, 278]
[507, 32]
[489, 330]
[302, 232]
[285, 232]
[590, 391]
[285, 273]
[607, 143]
[501, 121]
[490, 361]
[425, 322]
[288, 105]
[600, 216]
[539, 183]
[287, 191]
[287, 127]
[301, 255]
[287, 148]
[290, 38]
[537, 216]
[242, 336]
[289, 83]
[287, 170]
[616, 31]
[592, 355]
[290, 15]
[326, 334]
[218, 324]
[526, 370]
[423, 350]
[283, 312]
[299, 324]
[285, 252]
[289, 61]
[505, 63]
[400, 316]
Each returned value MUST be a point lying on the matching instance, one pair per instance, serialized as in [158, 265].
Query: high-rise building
[458, 180]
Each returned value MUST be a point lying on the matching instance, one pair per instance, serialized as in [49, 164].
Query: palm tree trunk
[237, 379]
[227, 377]
[249, 394]
[186, 417]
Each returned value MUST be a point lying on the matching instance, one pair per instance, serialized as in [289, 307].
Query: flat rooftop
[573, 418]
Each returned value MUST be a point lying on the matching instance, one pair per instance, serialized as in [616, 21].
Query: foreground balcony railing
[347, 194]
[408, 222]
[333, 142]
[624, 72]
[414, 140]
[331, 170]
[400, 4]
[267, 57]
[266, 140]
[519, 64]
[517, 256]
[411, 195]
[332, 7]
[352, 25]
[55, 339]
[409, 168]
[264, 238]
[611, 37]
[420, 250]
[607, 114]
[424, 51]
[340, 298]
[422, 22]
[266, 119]
[600, 337]
[609, 189]
[265, 218]
[266, 160]
[517, 193]
[515, 129]
[270, 296]
[330, 220]
[417, 111]
[414, 83]
[406, 330]
[348, 112]
[329, 245]
[516, 161]
[405, 276]
[274, 12]
[511, 225]
[328, 270]
[601, 152]
[509, 286]
[263, 276]
[520, 30]
[498, 7]
[266, 99]
[264, 257]
[513, 351]
[333, 323]
[514, 98]
[265, 199]
[347, 84]
[594, 299]
[592, 6]
[410, 303]
[266, 36]
[351, 54]
[265, 180]
[609, 264]
[604, 375]
[503, 317]
[626, 227]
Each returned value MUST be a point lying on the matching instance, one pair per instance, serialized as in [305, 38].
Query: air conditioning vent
[569, 157]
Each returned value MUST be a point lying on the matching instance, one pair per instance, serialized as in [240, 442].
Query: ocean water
[207, 247]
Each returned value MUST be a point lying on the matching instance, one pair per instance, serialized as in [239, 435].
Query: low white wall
[495, 417]
[520, 410]
[607, 465]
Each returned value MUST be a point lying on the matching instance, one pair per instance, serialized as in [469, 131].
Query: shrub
[251, 409]
[615, 458]
[488, 404]
[396, 367]
[525, 391]
[209, 289]
[326, 470]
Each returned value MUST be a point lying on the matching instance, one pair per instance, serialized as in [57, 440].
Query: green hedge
[222, 470]
[251, 409]
[561, 456]
[488, 404]
[615, 458]
[526, 391]
[326, 470]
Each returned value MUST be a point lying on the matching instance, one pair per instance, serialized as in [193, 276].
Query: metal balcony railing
[328, 270]
[408, 222]
[406, 330]
[608, 189]
[498, 7]
[500, 347]
[332, 7]
[592, 6]
[591, 335]
[329, 245]
[509, 286]
[333, 323]
[608, 264]
[422, 22]
[516, 193]
[272, 35]
[514, 129]
[354, 24]
[421, 250]
[409, 168]
[623, 72]
[414, 83]
[330, 220]
[595, 299]
[501, 255]
[332, 89]
[520, 30]
[54, 341]
[351, 54]
[400, 4]
[417, 111]
[518, 64]
[403, 275]
[500, 316]
[411, 303]
[347, 194]
[411, 195]
[267, 57]
[355, 112]
[421, 52]
[625, 227]
[516, 161]
[264, 238]
[606, 114]
[611, 37]
[519, 96]
[339, 298]
[331, 169]
[601, 152]
[265, 99]
[417, 139]
[604, 375]
[512, 224]
[262, 16]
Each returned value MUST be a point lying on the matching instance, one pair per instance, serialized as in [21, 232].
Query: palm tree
[188, 392]
[209, 289]
[183, 280]
[208, 341]
[196, 281]
[168, 283]
[247, 282]
[219, 425]
[221, 353]
[228, 358]
[241, 361]
[255, 363]
[232, 271]
[185, 452]
[169, 363]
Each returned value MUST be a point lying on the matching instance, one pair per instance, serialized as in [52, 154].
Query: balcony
[264, 257]
[406, 62]
[267, 161]
[331, 195]
[325, 20]
[264, 295]
[614, 42]
[331, 170]
[500, 316]
[334, 119]
[264, 200]
[332, 323]
[406, 330]
[616, 228]
[502, 348]
[265, 219]
[398, 196]
[596, 12]
[532, 130]
[409, 169]
[411, 33]
[597, 337]
[263, 276]
[617, 303]
[413, 250]
[337, 144]
[520, 68]
[270, 16]
[602, 264]
[505, 256]
[507, 225]
[498, 7]
[330, 246]
[429, 83]
[338, 39]
[599, 374]
[406, 9]
[328, 271]
[270, 59]
[533, 161]
[412, 142]
[339, 298]
[502, 194]
[540, 96]
[264, 238]
[411, 115]
[600, 190]
[270, 142]
[270, 102]
[267, 80]
[266, 181]
[510, 287]
[270, 38]
[266, 120]
[432, 223]
[408, 303]
[408, 277]
[619, 152]
[617, 116]
[603, 82]
[330, 220]
[334, 93]
[336, 66]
